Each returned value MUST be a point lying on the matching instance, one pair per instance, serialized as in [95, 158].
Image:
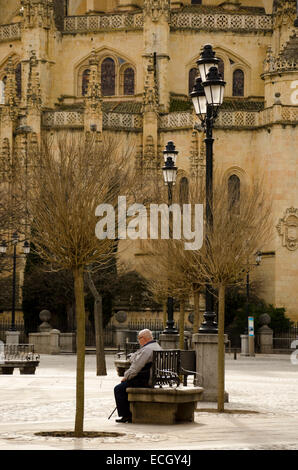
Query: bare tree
[74, 176]
[240, 227]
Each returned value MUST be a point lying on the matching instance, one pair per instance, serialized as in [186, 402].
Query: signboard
[250, 326]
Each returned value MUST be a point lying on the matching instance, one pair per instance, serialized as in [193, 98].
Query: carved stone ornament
[156, 8]
[121, 316]
[287, 228]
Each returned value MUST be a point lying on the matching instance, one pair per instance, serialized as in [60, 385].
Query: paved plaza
[263, 405]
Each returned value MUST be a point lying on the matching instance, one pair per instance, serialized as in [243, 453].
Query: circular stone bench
[163, 405]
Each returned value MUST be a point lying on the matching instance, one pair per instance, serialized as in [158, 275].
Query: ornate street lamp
[170, 169]
[207, 96]
[170, 173]
[250, 340]
[26, 250]
[206, 61]
[199, 99]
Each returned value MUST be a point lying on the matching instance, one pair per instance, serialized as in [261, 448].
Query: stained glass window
[183, 191]
[108, 77]
[85, 81]
[129, 81]
[191, 78]
[238, 83]
[18, 74]
[221, 68]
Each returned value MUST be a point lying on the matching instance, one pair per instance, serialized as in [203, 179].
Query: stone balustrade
[10, 32]
[177, 120]
[278, 64]
[103, 22]
[221, 21]
[227, 119]
[179, 20]
[63, 119]
[124, 121]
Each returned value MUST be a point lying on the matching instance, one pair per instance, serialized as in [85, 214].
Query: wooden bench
[18, 356]
[165, 402]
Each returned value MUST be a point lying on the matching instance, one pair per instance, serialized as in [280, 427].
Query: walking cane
[112, 412]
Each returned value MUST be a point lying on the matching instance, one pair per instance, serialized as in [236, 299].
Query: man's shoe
[125, 419]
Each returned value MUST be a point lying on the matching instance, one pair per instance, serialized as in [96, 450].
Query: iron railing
[6, 325]
[283, 339]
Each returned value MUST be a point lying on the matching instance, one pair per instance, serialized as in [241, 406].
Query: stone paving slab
[265, 385]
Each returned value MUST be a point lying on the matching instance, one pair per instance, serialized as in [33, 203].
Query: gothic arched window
[129, 81]
[183, 191]
[18, 74]
[191, 78]
[233, 191]
[221, 68]
[238, 83]
[108, 77]
[85, 81]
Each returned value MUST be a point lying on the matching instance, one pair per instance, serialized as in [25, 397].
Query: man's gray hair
[147, 333]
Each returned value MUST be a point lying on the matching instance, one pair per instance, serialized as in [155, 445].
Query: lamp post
[251, 349]
[207, 96]
[26, 250]
[170, 173]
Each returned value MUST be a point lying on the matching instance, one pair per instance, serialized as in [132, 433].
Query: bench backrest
[170, 364]
[165, 367]
[20, 352]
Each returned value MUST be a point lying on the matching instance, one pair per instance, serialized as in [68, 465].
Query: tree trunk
[221, 350]
[98, 322]
[197, 316]
[181, 324]
[81, 334]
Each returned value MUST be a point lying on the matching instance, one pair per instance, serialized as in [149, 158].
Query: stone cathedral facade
[127, 66]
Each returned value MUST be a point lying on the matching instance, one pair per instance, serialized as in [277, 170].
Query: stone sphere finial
[45, 316]
[265, 319]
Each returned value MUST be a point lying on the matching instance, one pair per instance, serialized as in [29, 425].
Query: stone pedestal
[244, 345]
[265, 340]
[169, 341]
[67, 342]
[12, 337]
[265, 335]
[54, 342]
[206, 347]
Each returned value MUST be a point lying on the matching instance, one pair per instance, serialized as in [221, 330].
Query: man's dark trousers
[121, 399]
[121, 396]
